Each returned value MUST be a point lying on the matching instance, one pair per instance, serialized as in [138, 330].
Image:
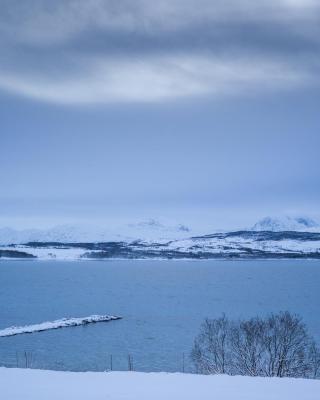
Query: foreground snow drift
[17, 384]
[59, 323]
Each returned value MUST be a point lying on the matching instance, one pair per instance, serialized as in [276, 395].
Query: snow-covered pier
[59, 323]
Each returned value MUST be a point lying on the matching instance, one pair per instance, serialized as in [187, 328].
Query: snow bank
[18, 384]
[59, 323]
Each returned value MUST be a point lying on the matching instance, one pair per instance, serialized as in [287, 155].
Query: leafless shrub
[246, 344]
[287, 346]
[278, 345]
[211, 350]
[314, 357]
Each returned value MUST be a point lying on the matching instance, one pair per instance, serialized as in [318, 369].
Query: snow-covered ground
[238, 243]
[27, 384]
[51, 252]
[242, 243]
[59, 323]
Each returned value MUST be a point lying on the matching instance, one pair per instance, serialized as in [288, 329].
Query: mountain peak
[287, 223]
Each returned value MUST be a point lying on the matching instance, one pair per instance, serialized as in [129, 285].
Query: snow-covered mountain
[144, 230]
[271, 237]
[297, 224]
[154, 229]
[63, 233]
[231, 245]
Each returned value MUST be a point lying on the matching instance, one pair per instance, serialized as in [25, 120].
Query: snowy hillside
[271, 237]
[149, 229]
[241, 244]
[18, 384]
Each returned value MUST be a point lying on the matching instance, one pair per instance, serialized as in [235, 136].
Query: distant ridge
[149, 229]
[297, 224]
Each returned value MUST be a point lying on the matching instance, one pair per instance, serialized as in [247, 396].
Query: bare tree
[211, 349]
[314, 358]
[246, 341]
[278, 345]
[287, 344]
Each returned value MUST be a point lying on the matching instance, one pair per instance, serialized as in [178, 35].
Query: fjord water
[162, 304]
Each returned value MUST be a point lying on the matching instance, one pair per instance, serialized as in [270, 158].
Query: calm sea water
[162, 303]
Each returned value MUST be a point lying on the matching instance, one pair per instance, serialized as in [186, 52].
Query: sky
[198, 112]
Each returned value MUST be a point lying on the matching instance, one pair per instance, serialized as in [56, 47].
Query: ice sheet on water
[59, 323]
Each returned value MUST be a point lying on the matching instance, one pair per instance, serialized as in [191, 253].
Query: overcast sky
[195, 111]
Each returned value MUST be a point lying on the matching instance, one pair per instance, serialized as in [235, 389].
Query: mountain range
[298, 224]
[289, 237]
[150, 229]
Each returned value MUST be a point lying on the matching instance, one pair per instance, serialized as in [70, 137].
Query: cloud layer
[95, 51]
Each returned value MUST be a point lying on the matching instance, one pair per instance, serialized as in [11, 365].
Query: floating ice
[59, 323]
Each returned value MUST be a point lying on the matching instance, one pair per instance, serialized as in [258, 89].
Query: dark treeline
[277, 345]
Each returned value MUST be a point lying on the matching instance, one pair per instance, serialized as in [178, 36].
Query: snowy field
[23, 384]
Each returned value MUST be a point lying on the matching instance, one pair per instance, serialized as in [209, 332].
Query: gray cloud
[42, 21]
[96, 51]
[156, 79]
